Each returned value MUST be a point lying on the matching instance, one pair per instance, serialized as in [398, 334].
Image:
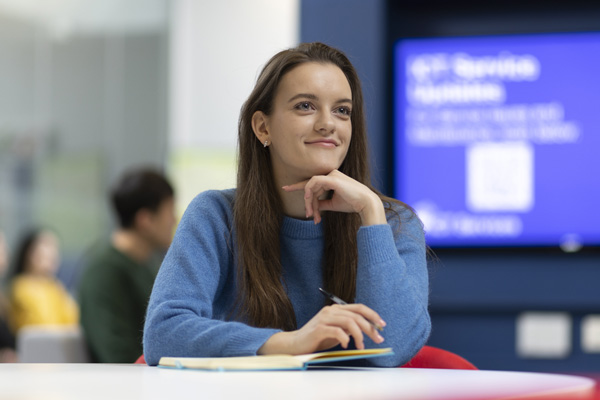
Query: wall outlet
[590, 334]
[544, 335]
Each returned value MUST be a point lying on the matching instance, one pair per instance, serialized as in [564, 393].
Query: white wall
[217, 50]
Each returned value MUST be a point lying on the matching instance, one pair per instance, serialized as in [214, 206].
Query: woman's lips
[324, 143]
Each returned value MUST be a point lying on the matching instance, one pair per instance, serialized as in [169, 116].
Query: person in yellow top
[37, 297]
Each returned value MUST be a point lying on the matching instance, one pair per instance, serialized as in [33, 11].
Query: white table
[131, 381]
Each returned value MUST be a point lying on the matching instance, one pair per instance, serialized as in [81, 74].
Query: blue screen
[497, 139]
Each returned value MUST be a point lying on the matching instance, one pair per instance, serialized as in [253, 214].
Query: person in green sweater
[119, 274]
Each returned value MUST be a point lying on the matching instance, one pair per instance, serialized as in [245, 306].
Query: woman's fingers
[329, 332]
[315, 209]
[365, 319]
[350, 327]
[307, 195]
[338, 192]
[313, 196]
[317, 192]
[354, 320]
[367, 313]
[332, 325]
[295, 186]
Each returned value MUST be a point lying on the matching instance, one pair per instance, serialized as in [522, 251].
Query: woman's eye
[304, 106]
[345, 111]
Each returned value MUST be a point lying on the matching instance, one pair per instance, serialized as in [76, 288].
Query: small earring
[266, 143]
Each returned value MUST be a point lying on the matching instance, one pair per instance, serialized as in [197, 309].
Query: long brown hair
[258, 211]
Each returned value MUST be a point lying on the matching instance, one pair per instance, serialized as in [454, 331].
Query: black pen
[337, 300]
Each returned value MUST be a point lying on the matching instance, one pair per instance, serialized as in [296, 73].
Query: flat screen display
[497, 138]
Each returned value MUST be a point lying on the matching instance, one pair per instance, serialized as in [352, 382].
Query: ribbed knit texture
[190, 306]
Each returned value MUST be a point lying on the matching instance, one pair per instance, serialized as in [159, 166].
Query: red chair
[433, 357]
[140, 360]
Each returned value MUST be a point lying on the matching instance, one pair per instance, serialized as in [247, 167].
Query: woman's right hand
[331, 326]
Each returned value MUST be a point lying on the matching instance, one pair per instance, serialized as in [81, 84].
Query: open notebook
[270, 362]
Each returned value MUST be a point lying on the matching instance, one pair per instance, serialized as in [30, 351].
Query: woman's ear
[260, 126]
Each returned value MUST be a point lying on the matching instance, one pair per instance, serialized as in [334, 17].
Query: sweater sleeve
[393, 280]
[194, 286]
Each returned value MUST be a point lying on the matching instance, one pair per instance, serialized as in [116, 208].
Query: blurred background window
[89, 88]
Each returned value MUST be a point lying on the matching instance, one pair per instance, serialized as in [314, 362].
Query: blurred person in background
[120, 272]
[7, 340]
[37, 297]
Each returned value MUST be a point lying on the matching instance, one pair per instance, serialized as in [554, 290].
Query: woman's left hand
[348, 195]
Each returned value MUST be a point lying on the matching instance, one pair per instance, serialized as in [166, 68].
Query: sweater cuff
[248, 341]
[376, 244]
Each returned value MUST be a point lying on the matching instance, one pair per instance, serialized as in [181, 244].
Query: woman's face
[44, 255]
[309, 129]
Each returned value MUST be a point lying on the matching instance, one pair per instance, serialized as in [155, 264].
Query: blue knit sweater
[189, 309]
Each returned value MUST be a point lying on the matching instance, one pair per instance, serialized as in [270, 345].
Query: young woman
[37, 296]
[243, 273]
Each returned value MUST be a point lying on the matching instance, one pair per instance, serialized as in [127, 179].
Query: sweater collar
[301, 229]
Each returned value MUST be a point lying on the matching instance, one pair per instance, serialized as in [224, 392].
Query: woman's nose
[325, 124]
